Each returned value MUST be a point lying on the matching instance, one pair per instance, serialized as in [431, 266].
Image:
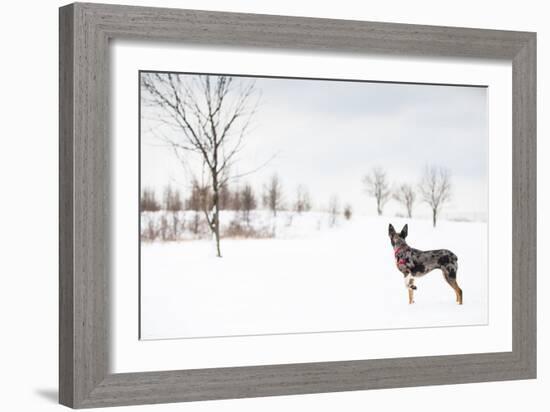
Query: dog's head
[397, 239]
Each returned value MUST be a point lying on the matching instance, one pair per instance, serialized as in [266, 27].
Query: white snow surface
[311, 277]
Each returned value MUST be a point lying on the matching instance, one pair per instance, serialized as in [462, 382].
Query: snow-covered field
[311, 277]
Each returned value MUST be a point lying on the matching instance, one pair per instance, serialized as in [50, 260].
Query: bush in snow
[347, 212]
[148, 201]
[333, 210]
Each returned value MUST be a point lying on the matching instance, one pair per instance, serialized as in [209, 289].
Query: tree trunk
[216, 217]
[378, 208]
[217, 230]
[434, 215]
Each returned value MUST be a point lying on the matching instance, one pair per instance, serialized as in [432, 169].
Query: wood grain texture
[85, 31]
[66, 229]
[524, 206]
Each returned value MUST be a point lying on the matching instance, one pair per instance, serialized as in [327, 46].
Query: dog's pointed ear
[404, 231]
[391, 230]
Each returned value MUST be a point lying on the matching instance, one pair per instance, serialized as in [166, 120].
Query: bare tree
[236, 200]
[163, 230]
[195, 224]
[377, 186]
[198, 201]
[248, 200]
[177, 226]
[172, 199]
[435, 189]
[405, 195]
[210, 116]
[348, 211]
[333, 209]
[200, 198]
[225, 197]
[273, 194]
[148, 230]
[148, 201]
[303, 201]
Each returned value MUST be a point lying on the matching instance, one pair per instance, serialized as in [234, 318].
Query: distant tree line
[184, 216]
[242, 198]
[239, 198]
[434, 189]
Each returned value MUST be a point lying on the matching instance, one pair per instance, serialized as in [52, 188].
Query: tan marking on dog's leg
[458, 292]
[411, 296]
[452, 282]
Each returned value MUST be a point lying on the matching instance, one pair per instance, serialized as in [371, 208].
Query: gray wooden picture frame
[85, 32]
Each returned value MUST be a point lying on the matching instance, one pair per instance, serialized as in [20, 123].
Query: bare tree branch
[405, 195]
[377, 186]
[273, 194]
[435, 189]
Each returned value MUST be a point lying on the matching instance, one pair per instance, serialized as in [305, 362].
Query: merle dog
[414, 263]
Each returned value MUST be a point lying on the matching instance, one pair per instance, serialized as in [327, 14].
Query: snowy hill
[305, 275]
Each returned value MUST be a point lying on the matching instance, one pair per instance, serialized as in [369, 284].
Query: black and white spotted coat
[414, 263]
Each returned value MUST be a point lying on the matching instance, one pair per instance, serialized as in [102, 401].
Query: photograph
[278, 205]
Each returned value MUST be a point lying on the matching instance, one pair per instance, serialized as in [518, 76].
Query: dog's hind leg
[450, 277]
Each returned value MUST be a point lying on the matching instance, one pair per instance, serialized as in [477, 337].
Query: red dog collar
[399, 261]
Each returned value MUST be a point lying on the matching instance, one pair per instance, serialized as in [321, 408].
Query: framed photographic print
[256, 205]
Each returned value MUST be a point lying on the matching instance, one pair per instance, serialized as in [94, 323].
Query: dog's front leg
[411, 296]
[409, 284]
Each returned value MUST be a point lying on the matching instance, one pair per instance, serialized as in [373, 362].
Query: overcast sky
[327, 135]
